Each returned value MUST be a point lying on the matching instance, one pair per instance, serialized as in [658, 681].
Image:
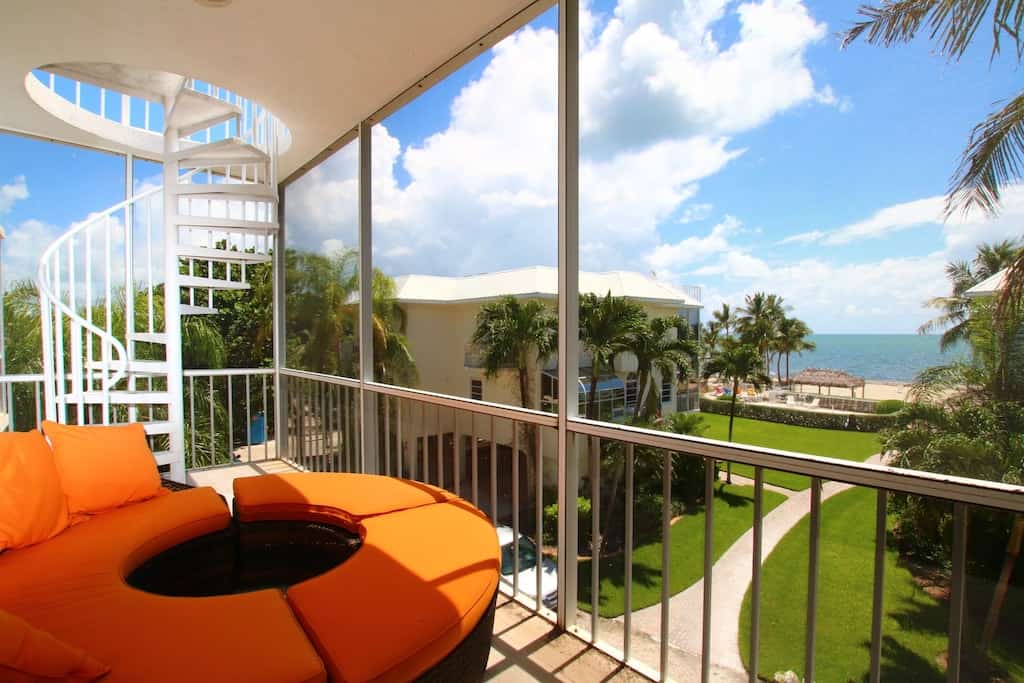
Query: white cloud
[694, 213]
[22, 248]
[12, 193]
[803, 238]
[673, 257]
[482, 193]
[878, 296]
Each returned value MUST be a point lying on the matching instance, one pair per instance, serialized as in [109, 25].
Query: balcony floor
[526, 647]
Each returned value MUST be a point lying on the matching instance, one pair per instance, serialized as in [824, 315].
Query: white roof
[539, 282]
[321, 67]
[988, 286]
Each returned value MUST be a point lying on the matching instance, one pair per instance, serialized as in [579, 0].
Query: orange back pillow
[103, 467]
[31, 654]
[32, 503]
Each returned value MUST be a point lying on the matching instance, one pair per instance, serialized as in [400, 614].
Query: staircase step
[165, 457]
[127, 398]
[227, 224]
[211, 283]
[207, 254]
[195, 111]
[187, 309]
[226, 152]
[236, 192]
[138, 367]
[157, 427]
[148, 337]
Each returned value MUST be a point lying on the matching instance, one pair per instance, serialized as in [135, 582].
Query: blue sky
[727, 144]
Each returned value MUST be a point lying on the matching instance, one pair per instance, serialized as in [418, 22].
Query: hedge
[801, 418]
[889, 406]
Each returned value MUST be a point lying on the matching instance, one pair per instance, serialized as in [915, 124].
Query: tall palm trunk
[592, 395]
[999, 597]
[787, 368]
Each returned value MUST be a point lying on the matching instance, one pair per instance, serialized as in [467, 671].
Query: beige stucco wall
[439, 335]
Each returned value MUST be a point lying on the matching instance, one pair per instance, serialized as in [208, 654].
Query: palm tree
[656, 348]
[988, 260]
[791, 338]
[758, 323]
[741, 362]
[510, 333]
[992, 158]
[607, 325]
[725, 318]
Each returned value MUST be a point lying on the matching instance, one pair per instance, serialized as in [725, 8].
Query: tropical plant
[656, 348]
[758, 323]
[724, 318]
[510, 333]
[988, 260]
[607, 325]
[742, 363]
[790, 337]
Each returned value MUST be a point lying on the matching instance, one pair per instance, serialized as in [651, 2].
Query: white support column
[568, 303]
[129, 272]
[172, 307]
[280, 382]
[367, 400]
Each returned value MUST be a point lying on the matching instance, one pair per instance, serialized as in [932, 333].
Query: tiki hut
[829, 378]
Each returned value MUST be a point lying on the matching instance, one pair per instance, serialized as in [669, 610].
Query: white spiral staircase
[112, 342]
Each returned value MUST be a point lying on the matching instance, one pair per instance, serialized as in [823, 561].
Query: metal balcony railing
[505, 460]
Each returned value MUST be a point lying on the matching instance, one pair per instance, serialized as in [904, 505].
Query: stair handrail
[47, 295]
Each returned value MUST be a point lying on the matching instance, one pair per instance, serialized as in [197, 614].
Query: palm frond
[953, 24]
[993, 158]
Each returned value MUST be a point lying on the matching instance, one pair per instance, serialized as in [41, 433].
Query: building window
[666, 390]
[548, 392]
[476, 389]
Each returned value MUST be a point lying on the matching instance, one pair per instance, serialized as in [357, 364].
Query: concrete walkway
[730, 579]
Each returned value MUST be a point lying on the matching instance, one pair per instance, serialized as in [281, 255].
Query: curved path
[731, 577]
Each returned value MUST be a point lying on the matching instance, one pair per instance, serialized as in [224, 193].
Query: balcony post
[367, 400]
[568, 304]
[281, 414]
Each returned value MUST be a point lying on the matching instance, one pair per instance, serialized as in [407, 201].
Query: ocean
[887, 357]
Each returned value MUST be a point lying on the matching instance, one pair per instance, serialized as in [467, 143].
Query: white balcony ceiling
[320, 65]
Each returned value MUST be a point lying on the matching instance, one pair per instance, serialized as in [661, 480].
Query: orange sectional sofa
[424, 578]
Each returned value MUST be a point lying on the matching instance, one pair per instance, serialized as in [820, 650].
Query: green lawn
[831, 443]
[733, 509]
[914, 627]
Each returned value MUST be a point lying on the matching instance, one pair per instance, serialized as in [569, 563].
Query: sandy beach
[883, 391]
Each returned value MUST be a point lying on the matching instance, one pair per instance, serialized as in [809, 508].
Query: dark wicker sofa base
[277, 554]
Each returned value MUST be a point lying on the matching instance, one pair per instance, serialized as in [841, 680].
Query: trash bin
[258, 429]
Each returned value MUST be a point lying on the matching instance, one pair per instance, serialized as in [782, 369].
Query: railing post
[281, 414]
[368, 412]
[568, 302]
[172, 308]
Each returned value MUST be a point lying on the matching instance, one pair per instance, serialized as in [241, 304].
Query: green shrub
[852, 422]
[551, 524]
[888, 407]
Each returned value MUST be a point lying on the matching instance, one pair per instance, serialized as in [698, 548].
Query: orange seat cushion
[31, 654]
[106, 548]
[420, 582]
[103, 467]
[73, 586]
[32, 503]
[330, 498]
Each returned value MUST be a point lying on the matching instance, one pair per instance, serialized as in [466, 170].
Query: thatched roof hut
[826, 377]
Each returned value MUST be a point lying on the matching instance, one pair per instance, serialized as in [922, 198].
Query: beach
[882, 390]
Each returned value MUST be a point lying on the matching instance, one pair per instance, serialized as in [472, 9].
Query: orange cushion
[32, 503]
[106, 548]
[103, 467]
[30, 654]
[420, 582]
[330, 498]
[73, 586]
[251, 637]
